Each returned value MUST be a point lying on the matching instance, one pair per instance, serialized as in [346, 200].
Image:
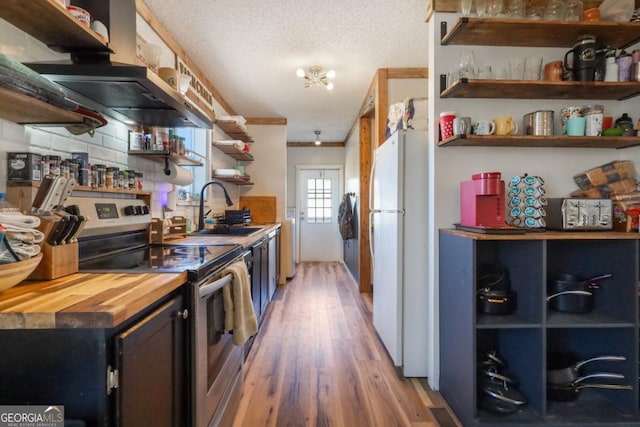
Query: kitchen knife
[53, 196]
[66, 192]
[71, 225]
[82, 221]
[43, 190]
[57, 232]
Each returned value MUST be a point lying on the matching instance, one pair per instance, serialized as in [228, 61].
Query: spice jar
[100, 175]
[139, 181]
[45, 166]
[54, 165]
[121, 180]
[111, 176]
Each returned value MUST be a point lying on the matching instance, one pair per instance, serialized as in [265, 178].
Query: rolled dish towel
[239, 315]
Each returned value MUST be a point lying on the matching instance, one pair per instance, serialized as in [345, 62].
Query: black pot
[497, 302]
[571, 294]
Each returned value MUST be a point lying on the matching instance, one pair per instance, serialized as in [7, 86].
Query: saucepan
[570, 391]
[562, 367]
[572, 294]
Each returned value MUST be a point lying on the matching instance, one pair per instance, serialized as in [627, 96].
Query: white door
[318, 201]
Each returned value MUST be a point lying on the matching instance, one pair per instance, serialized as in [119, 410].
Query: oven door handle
[209, 288]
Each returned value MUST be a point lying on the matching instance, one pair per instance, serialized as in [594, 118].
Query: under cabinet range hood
[115, 84]
[125, 92]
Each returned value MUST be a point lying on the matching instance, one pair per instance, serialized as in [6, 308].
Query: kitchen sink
[232, 231]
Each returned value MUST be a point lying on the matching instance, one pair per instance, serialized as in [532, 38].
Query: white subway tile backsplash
[67, 146]
[114, 144]
[14, 132]
[39, 139]
[101, 155]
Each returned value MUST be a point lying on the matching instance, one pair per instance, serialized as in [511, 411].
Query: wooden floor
[317, 361]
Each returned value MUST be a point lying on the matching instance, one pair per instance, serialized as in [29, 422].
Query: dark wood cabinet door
[152, 369]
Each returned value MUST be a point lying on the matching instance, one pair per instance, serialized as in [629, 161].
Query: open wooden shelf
[532, 33]
[160, 156]
[541, 89]
[234, 152]
[52, 24]
[36, 184]
[233, 180]
[234, 130]
[24, 109]
[552, 141]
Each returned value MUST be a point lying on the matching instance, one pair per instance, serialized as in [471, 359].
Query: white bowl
[15, 272]
[81, 15]
[101, 30]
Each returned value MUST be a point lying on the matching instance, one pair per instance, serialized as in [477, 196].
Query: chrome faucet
[201, 213]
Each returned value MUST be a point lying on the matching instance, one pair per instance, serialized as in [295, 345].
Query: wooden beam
[366, 154]
[167, 38]
[266, 121]
[408, 73]
[382, 106]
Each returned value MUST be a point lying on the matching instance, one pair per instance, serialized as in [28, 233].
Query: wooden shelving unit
[234, 130]
[52, 24]
[24, 109]
[160, 156]
[233, 180]
[553, 141]
[234, 152]
[540, 89]
[530, 33]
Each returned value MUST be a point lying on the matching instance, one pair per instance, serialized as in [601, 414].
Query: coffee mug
[568, 112]
[576, 126]
[484, 127]
[446, 124]
[169, 75]
[461, 125]
[505, 126]
[553, 71]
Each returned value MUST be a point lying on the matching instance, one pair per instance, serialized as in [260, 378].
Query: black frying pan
[498, 394]
[562, 367]
[570, 392]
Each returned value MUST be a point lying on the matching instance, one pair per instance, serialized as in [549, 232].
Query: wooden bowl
[15, 272]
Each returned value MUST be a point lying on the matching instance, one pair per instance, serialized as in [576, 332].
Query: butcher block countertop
[83, 300]
[98, 300]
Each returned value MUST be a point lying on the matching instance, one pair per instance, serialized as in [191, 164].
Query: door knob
[184, 313]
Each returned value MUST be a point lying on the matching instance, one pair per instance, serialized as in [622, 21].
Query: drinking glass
[554, 10]
[494, 7]
[516, 9]
[467, 64]
[481, 8]
[516, 68]
[465, 7]
[533, 68]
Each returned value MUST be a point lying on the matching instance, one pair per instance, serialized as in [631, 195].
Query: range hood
[125, 92]
[115, 84]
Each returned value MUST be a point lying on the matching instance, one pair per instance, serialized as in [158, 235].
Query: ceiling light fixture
[317, 132]
[314, 76]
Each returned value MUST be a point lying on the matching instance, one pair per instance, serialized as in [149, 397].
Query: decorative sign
[196, 85]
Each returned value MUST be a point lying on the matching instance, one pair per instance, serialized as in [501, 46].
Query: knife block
[57, 260]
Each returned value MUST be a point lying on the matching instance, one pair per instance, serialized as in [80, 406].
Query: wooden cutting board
[263, 208]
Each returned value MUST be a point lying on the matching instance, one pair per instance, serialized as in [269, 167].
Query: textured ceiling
[250, 50]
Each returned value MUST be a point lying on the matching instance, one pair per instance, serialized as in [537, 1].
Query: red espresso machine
[482, 201]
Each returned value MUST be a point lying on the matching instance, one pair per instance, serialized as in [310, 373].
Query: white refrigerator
[398, 236]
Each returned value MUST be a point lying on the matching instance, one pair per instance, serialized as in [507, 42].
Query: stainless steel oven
[118, 242]
[217, 361]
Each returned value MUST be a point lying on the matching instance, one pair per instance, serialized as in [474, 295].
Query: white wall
[269, 171]
[450, 165]
[400, 89]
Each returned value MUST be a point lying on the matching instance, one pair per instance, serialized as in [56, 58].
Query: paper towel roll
[177, 175]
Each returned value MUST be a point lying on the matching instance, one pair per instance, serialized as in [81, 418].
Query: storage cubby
[524, 338]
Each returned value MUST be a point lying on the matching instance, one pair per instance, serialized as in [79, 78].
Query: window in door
[319, 206]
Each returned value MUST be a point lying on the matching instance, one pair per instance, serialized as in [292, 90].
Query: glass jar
[101, 175]
[131, 179]
[54, 165]
[111, 177]
[139, 181]
[45, 166]
[122, 178]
